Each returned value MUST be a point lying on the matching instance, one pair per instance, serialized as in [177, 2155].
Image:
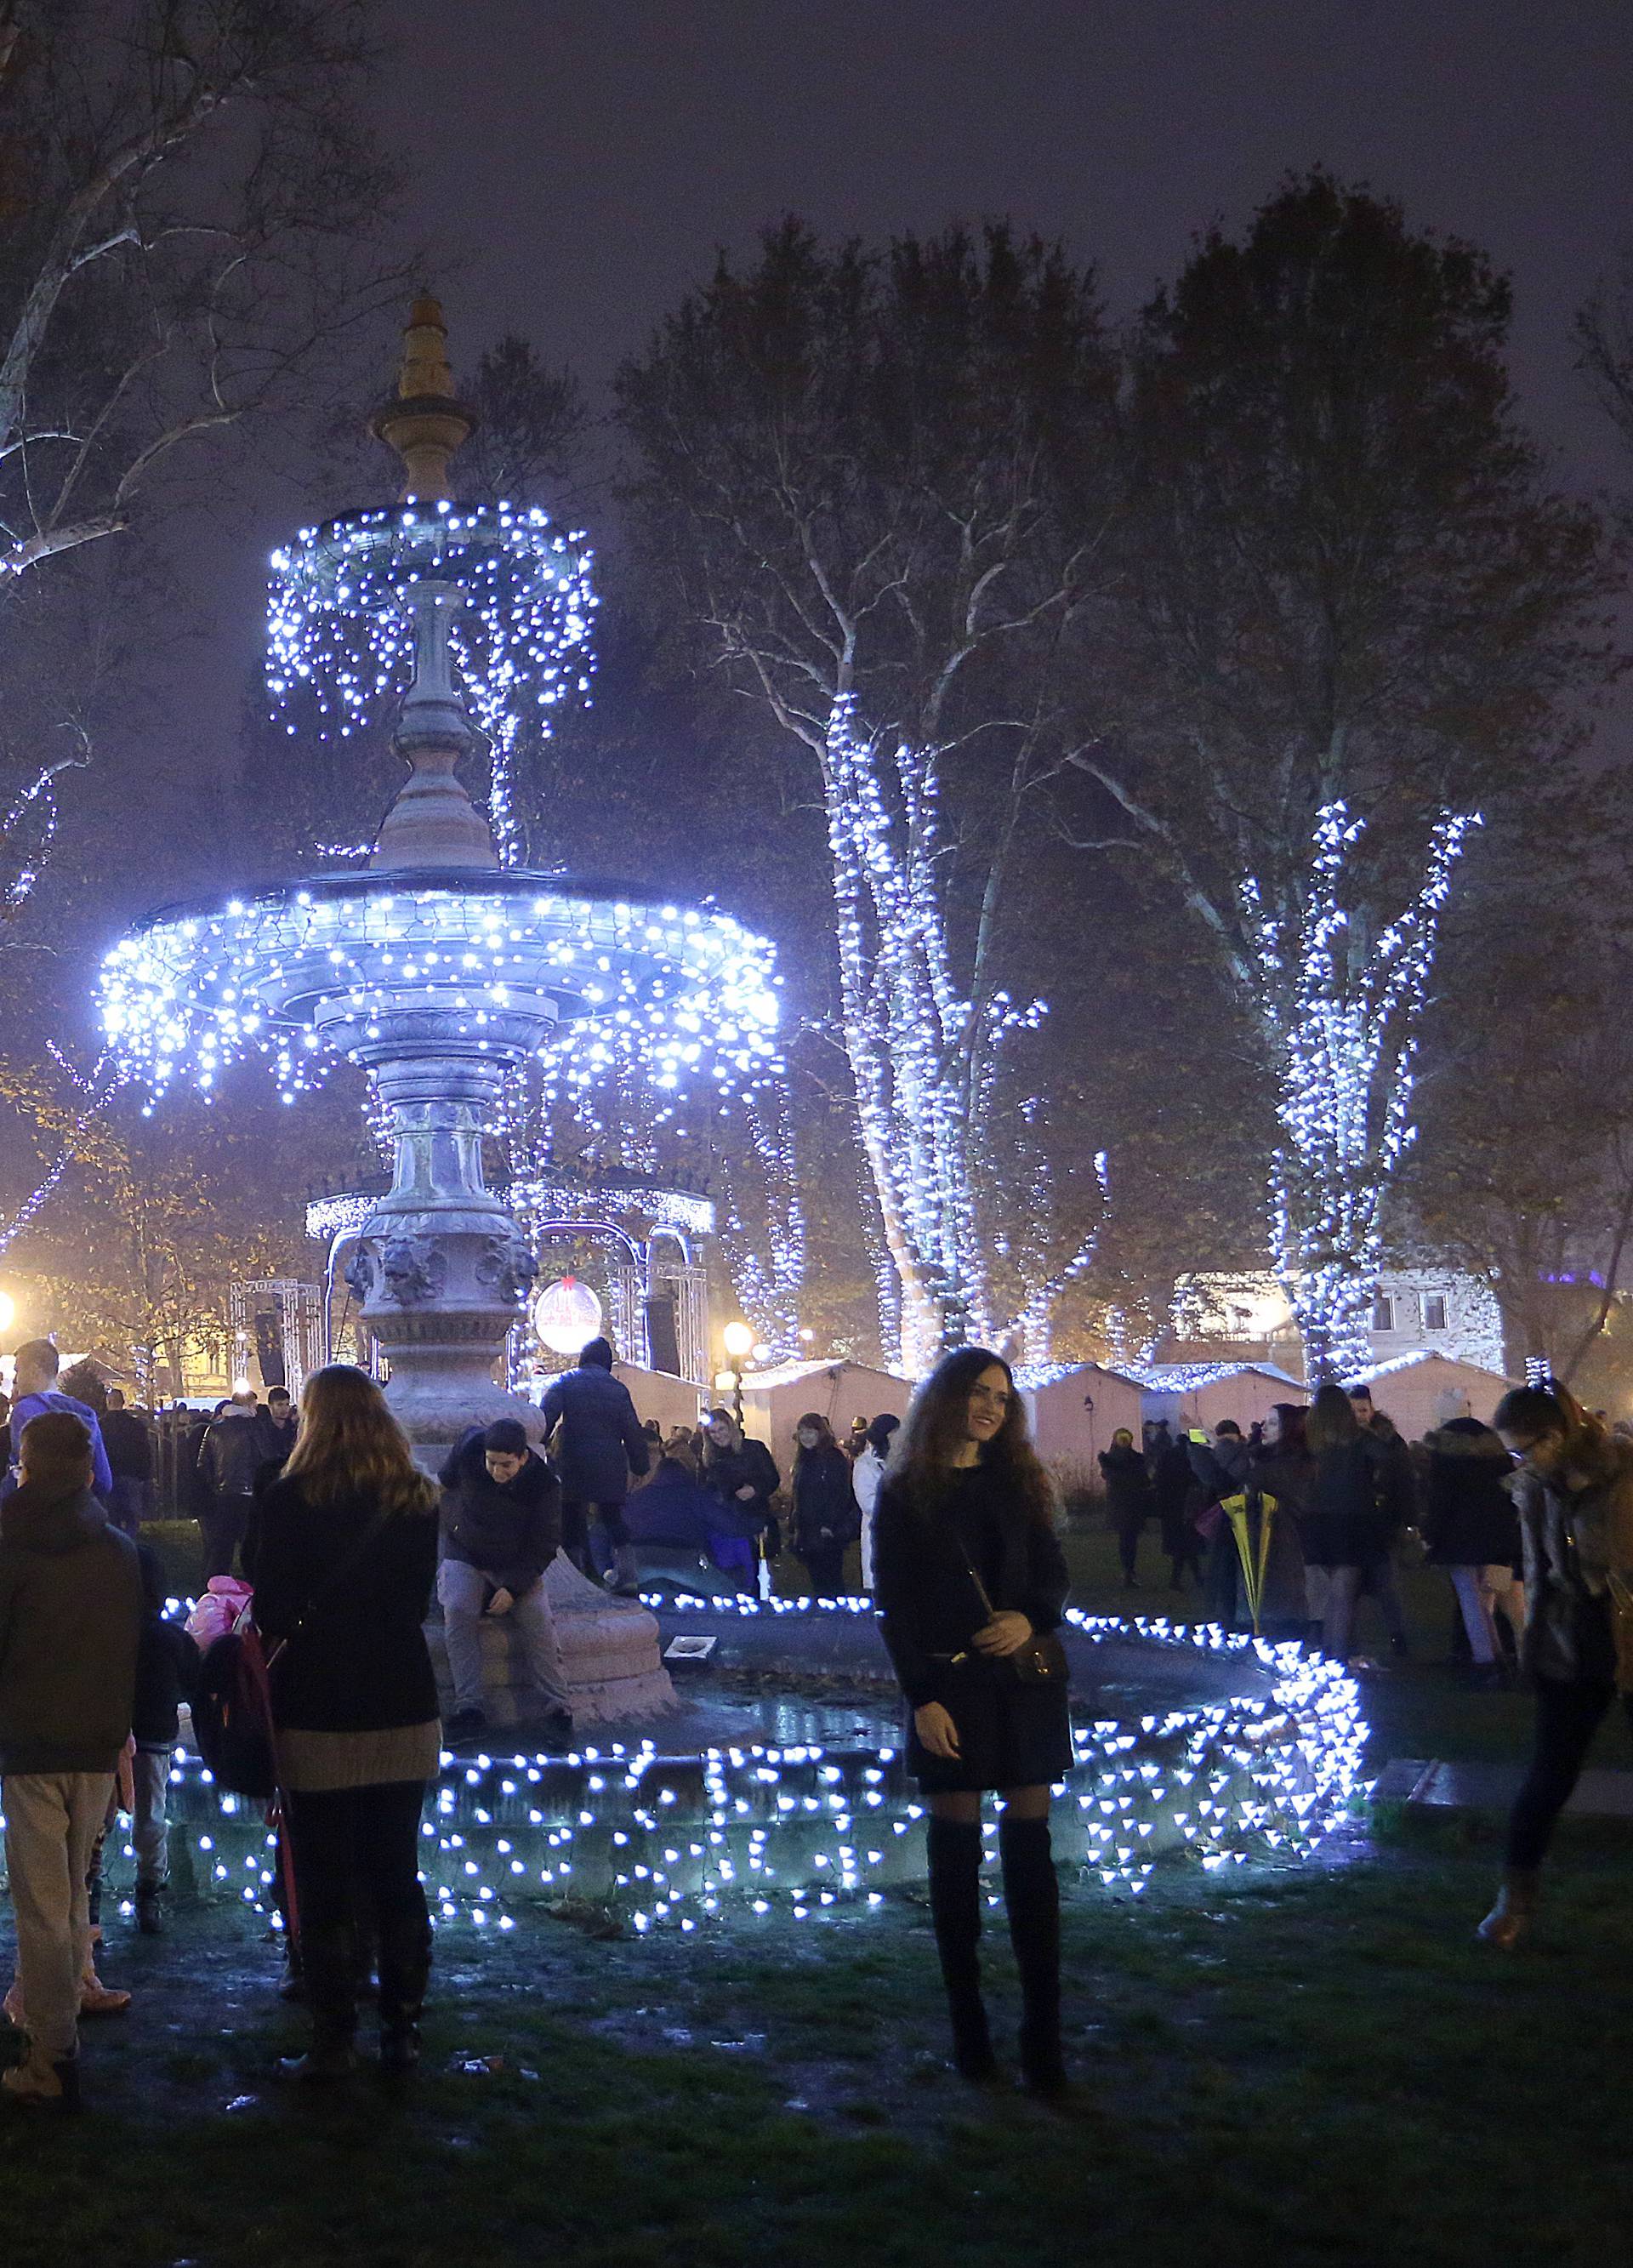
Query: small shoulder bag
[1040, 1661]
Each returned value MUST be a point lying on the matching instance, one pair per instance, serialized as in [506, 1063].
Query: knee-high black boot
[329, 1957]
[405, 1958]
[1032, 1894]
[955, 1908]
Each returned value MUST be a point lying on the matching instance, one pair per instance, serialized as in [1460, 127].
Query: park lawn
[1297, 2065]
[1289, 2065]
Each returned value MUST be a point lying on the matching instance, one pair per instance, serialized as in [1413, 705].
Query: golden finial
[427, 422]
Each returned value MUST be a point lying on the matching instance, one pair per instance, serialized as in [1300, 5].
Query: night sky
[592, 156]
[575, 166]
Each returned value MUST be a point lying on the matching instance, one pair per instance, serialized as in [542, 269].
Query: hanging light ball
[567, 1315]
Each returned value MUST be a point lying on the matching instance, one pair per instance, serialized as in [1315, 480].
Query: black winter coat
[928, 1604]
[826, 1512]
[602, 1442]
[130, 1445]
[511, 1529]
[753, 1465]
[1469, 1519]
[359, 1663]
[1359, 1495]
[232, 1455]
[1128, 1484]
[167, 1661]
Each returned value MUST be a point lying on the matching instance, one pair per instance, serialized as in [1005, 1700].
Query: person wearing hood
[502, 1527]
[70, 1622]
[1470, 1525]
[1128, 1498]
[599, 1445]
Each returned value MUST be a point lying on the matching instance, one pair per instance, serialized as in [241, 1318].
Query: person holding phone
[970, 1581]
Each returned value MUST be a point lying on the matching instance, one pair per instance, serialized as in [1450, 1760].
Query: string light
[1345, 1023]
[737, 1832]
[339, 630]
[927, 1061]
[507, 961]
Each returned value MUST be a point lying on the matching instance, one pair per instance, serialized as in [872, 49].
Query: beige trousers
[52, 1819]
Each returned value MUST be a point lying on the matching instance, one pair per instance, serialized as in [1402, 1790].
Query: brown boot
[1511, 1916]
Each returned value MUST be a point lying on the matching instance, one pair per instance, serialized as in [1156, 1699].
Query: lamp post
[739, 1339]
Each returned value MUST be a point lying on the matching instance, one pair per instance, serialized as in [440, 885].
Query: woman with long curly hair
[344, 1560]
[1574, 1495]
[968, 1575]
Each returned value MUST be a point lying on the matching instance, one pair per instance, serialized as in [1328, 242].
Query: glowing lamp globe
[739, 1339]
[567, 1315]
[8, 1311]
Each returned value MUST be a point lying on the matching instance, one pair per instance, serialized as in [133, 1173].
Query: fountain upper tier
[484, 968]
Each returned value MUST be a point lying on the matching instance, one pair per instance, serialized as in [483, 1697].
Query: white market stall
[1204, 1393]
[1075, 1408]
[659, 1394]
[775, 1401]
[1407, 1388]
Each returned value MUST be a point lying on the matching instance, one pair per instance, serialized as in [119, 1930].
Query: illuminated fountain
[437, 968]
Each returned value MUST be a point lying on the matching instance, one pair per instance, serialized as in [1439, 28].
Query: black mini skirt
[1010, 1734]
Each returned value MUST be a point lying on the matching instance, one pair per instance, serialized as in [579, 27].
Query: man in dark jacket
[228, 1462]
[130, 1446]
[600, 1444]
[502, 1527]
[70, 1618]
[275, 1427]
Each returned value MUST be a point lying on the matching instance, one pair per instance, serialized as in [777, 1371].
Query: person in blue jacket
[599, 1447]
[34, 1394]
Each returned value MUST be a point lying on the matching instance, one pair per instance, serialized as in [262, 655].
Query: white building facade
[1417, 1311]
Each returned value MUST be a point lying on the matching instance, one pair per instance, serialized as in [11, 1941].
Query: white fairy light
[1346, 1026]
[339, 630]
[514, 968]
[736, 1832]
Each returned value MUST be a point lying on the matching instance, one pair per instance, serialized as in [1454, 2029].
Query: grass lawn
[1293, 2065]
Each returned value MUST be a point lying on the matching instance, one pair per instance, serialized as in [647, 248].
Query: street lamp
[8, 1312]
[739, 1340]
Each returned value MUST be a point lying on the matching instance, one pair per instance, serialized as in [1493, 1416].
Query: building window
[1383, 1313]
[1434, 1311]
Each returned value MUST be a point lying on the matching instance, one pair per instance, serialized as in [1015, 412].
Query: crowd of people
[343, 1542]
[1334, 1499]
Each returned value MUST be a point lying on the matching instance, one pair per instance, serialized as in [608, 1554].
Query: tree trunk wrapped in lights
[1343, 1016]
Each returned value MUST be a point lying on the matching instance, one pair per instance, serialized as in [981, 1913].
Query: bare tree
[192, 204]
[870, 491]
[1349, 584]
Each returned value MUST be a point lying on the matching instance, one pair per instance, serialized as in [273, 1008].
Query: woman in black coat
[1128, 1496]
[967, 1572]
[826, 1518]
[345, 1558]
[743, 1474]
[1472, 1530]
